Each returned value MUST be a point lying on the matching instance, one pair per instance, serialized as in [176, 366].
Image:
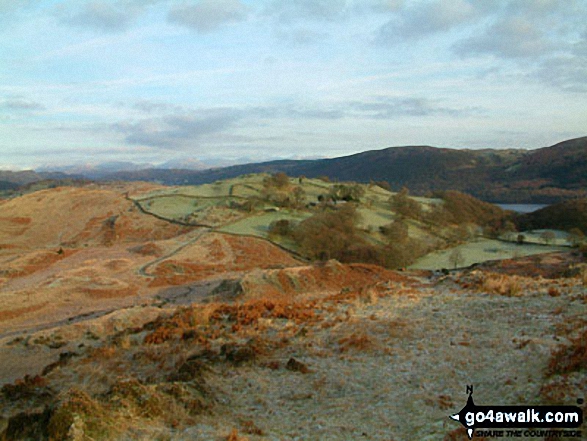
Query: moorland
[267, 306]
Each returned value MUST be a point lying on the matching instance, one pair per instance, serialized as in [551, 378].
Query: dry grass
[78, 408]
[495, 283]
[234, 436]
[19, 312]
[569, 358]
[357, 341]
[25, 388]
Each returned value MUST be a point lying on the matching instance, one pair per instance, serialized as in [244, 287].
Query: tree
[277, 180]
[547, 237]
[456, 257]
[405, 206]
[328, 234]
[509, 230]
[437, 215]
[298, 197]
[467, 209]
[400, 255]
[342, 192]
[395, 232]
[281, 227]
[575, 237]
[383, 184]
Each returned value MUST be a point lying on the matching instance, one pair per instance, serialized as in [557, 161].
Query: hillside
[136, 311]
[28, 176]
[564, 216]
[544, 175]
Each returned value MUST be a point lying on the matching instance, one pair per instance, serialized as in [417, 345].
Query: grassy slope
[209, 203]
[480, 251]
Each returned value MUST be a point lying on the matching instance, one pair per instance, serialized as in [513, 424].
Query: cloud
[567, 72]
[294, 10]
[10, 6]
[527, 29]
[509, 38]
[291, 111]
[148, 106]
[180, 129]
[177, 131]
[300, 36]
[380, 6]
[208, 15]
[376, 108]
[100, 15]
[426, 19]
[13, 11]
[21, 104]
[392, 107]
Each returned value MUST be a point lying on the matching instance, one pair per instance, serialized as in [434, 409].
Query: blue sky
[150, 81]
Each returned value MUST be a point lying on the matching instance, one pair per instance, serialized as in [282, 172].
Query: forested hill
[544, 175]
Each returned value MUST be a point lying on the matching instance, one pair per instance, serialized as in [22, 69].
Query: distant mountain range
[544, 175]
[12, 180]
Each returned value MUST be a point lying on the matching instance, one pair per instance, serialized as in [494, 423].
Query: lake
[522, 208]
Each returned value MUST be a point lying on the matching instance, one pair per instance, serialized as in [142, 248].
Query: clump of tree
[575, 237]
[346, 192]
[334, 234]
[328, 234]
[547, 237]
[404, 206]
[278, 191]
[281, 227]
[564, 216]
[400, 250]
[276, 180]
[383, 184]
[461, 208]
[506, 229]
[395, 232]
[298, 198]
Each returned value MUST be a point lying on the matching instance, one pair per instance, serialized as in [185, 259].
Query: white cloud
[426, 19]
[317, 10]
[18, 103]
[99, 14]
[565, 72]
[527, 29]
[380, 6]
[510, 38]
[177, 131]
[300, 36]
[208, 15]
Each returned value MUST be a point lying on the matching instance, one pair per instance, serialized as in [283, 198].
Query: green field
[534, 236]
[480, 251]
[241, 206]
[170, 206]
[196, 203]
[258, 225]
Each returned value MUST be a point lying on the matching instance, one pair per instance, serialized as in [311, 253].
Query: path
[143, 269]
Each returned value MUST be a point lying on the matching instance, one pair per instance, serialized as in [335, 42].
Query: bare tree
[456, 257]
[547, 237]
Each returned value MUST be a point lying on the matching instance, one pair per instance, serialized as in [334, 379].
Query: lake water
[522, 208]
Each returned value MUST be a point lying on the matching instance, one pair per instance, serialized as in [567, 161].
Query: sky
[151, 81]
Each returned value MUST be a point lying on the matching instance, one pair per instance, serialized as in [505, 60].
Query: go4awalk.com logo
[519, 421]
